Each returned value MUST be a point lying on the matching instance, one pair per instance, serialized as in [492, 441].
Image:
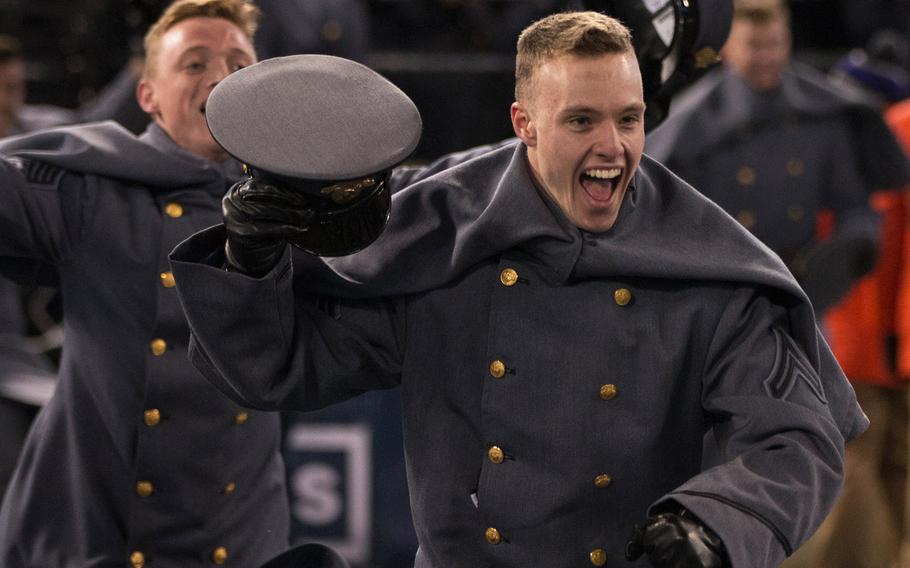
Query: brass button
[241, 417]
[508, 277]
[144, 488]
[706, 57]
[746, 219]
[219, 555]
[152, 417]
[496, 454]
[745, 175]
[497, 369]
[795, 167]
[159, 346]
[229, 488]
[173, 210]
[622, 296]
[607, 392]
[493, 536]
[167, 279]
[795, 213]
[602, 481]
[598, 557]
[137, 559]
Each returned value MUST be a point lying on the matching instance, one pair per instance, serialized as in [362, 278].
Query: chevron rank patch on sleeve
[792, 374]
[38, 173]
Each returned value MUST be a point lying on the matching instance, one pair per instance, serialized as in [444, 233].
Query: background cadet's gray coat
[136, 452]
[774, 160]
[556, 384]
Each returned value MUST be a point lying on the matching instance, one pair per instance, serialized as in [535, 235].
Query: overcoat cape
[710, 113]
[443, 225]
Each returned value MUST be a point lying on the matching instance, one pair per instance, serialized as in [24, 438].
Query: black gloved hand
[677, 541]
[258, 219]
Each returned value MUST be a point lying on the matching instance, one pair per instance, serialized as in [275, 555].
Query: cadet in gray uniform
[583, 342]
[137, 460]
[773, 143]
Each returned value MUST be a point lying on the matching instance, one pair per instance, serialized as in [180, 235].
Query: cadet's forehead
[204, 32]
[568, 77]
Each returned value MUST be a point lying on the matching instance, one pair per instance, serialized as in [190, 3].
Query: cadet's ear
[523, 125]
[145, 95]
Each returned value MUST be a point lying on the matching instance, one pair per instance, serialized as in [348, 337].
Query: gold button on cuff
[229, 488]
[137, 559]
[622, 297]
[152, 417]
[219, 555]
[795, 167]
[496, 454]
[493, 536]
[158, 346]
[173, 210]
[795, 213]
[602, 480]
[167, 279]
[241, 417]
[508, 277]
[498, 369]
[746, 219]
[144, 488]
[607, 392]
[598, 557]
[745, 176]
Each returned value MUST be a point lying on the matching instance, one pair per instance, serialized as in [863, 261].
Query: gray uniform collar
[156, 137]
[107, 149]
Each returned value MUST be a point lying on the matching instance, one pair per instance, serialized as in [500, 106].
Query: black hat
[310, 555]
[675, 42]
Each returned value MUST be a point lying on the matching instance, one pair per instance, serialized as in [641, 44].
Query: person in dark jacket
[583, 342]
[136, 460]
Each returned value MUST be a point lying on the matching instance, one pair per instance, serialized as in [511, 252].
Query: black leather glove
[673, 540]
[828, 270]
[259, 218]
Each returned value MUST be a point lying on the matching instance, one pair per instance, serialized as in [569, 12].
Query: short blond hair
[242, 13]
[584, 34]
[760, 11]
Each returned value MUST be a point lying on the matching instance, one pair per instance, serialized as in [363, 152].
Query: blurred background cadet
[799, 160]
[455, 59]
[26, 374]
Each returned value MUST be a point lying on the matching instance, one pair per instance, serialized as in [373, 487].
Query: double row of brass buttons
[622, 297]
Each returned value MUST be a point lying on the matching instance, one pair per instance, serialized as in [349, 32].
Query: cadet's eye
[631, 119]
[195, 66]
[580, 121]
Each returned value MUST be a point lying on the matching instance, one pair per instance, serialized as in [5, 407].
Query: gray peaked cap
[313, 117]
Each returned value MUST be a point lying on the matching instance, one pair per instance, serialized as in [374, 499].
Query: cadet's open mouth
[600, 183]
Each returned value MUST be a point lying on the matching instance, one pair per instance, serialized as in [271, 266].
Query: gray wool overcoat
[556, 384]
[136, 458]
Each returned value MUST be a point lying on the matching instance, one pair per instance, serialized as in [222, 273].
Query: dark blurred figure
[332, 27]
[454, 25]
[26, 377]
[15, 116]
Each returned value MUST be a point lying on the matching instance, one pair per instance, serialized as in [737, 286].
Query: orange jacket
[873, 320]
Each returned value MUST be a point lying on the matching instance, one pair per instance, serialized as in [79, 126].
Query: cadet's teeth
[603, 174]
